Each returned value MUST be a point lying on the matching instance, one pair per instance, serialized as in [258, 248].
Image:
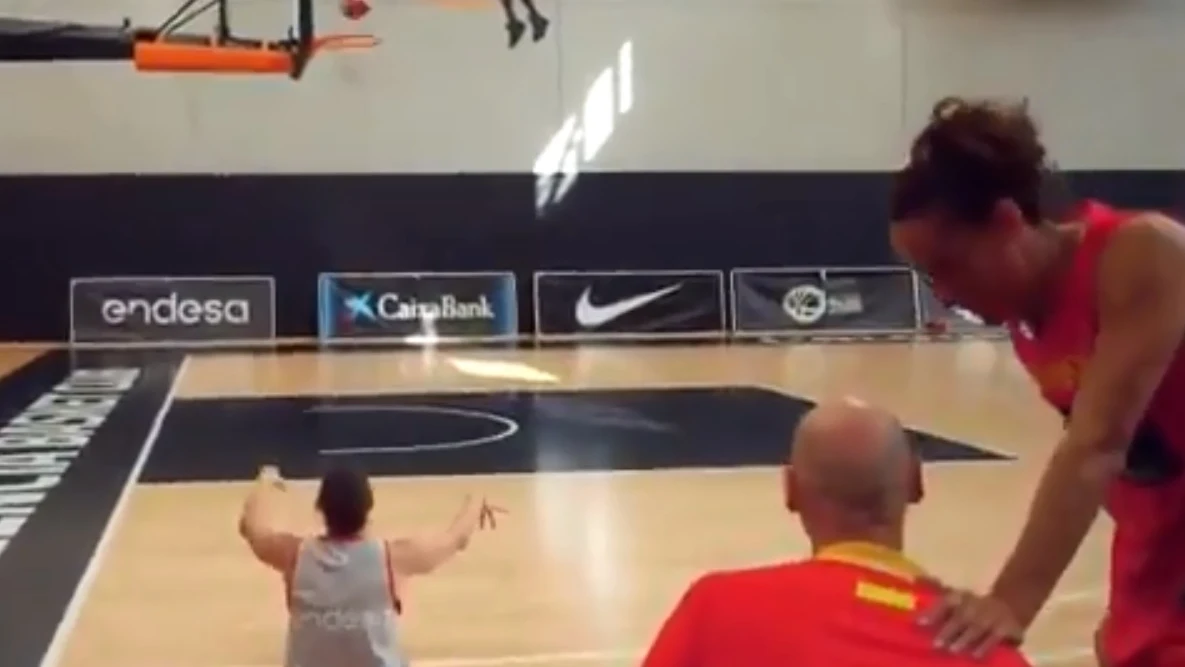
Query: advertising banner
[171, 310]
[417, 307]
[812, 302]
[629, 304]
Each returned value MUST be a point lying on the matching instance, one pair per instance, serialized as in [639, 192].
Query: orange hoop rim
[258, 58]
[345, 42]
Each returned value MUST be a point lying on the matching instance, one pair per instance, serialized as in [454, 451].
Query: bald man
[851, 475]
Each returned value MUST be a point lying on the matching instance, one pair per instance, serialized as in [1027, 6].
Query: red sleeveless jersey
[1145, 626]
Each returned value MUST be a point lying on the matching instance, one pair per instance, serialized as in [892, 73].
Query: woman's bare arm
[420, 555]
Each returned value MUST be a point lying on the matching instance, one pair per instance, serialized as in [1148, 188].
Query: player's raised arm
[1141, 305]
[421, 555]
[257, 522]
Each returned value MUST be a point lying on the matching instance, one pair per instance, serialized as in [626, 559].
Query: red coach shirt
[853, 605]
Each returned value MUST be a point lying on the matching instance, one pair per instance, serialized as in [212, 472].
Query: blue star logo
[359, 307]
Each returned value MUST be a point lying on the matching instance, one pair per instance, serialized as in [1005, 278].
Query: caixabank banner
[410, 307]
[789, 301]
[172, 310]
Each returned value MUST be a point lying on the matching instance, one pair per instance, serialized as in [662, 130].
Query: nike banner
[172, 310]
[955, 322]
[629, 304]
[417, 307]
[823, 301]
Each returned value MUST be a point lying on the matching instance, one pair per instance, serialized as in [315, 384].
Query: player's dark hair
[970, 155]
[345, 500]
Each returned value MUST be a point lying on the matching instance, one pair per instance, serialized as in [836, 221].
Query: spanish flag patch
[886, 596]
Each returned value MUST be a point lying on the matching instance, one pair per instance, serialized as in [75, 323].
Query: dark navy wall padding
[294, 227]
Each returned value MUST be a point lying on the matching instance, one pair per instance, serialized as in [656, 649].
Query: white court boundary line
[65, 629]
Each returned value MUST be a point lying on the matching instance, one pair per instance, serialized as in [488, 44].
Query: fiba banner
[417, 307]
[807, 302]
[629, 304]
[952, 321]
[172, 310]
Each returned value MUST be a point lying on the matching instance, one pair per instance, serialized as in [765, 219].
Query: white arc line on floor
[509, 428]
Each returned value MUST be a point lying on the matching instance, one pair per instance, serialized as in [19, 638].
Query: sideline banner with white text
[629, 304]
[417, 307]
[172, 310]
[811, 302]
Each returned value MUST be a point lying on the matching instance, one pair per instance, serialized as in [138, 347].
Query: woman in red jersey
[1096, 310]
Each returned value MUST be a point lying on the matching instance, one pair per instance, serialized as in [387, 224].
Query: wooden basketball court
[586, 564]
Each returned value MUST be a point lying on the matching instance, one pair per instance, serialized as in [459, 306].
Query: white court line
[53, 655]
[396, 392]
[509, 428]
[1088, 595]
[1061, 657]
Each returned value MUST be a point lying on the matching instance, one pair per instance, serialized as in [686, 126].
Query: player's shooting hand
[489, 515]
[967, 623]
[473, 517]
[269, 475]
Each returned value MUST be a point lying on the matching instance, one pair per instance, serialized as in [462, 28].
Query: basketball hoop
[165, 49]
[241, 58]
[225, 54]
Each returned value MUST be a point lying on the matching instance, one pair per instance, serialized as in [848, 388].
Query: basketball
[354, 9]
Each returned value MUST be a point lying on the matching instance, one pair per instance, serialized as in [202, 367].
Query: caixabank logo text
[382, 306]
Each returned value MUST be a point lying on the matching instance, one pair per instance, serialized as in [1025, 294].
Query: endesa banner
[172, 310]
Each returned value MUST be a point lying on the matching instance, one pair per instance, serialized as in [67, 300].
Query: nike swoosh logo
[589, 315]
